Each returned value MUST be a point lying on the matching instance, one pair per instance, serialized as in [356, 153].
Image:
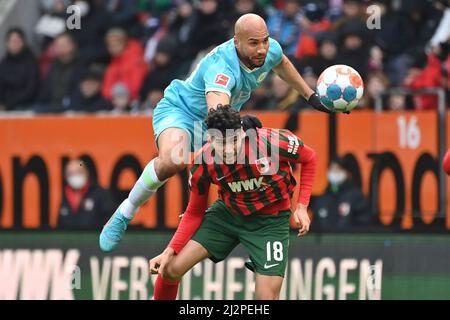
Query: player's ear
[236, 42]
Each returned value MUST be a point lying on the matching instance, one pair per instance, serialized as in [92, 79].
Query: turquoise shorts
[166, 115]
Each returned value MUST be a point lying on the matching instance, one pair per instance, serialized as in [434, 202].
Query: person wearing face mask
[84, 204]
[342, 204]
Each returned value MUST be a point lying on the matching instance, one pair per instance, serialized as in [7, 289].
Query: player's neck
[243, 62]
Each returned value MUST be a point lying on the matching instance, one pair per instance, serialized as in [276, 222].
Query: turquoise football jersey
[220, 70]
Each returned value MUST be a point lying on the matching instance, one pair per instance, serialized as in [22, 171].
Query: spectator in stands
[313, 25]
[396, 102]
[442, 32]
[196, 29]
[121, 100]
[247, 6]
[392, 42]
[88, 98]
[342, 204]
[283, 97]
[351, 10]
[127, 65]
[426, 72]
[326, 56]
[19, 73]
[284, 26]
[180, 29]
[260, 98]
[53, 21]
[209, 26]
[122, 12]
[163, 69]
[423, 19]
[376, 83]
[353, 47]
[63, 78]
[85, 204]
[89, 38]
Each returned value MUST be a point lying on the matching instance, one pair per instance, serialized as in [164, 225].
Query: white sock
[147, 185]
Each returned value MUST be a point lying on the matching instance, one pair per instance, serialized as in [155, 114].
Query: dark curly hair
[223, 117]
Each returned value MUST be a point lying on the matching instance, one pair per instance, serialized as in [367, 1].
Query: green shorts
[265, 237]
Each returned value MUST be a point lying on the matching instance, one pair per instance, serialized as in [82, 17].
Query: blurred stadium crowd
[127, 51]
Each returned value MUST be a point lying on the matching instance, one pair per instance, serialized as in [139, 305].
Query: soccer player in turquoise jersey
[227, 75]
[253, 173]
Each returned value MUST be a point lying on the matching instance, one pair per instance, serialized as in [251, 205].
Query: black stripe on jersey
[237, 177]
[194, 172]
[276, 189]
[225, 186]
[284, 152]
[261, 195]
[287, 181]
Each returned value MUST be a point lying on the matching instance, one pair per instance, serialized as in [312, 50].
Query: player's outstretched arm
[288, 73]
[308, 161]
[286, 70]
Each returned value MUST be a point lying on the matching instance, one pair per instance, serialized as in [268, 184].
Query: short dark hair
[17, 30]
[68, 35]
[223, 117]
[341, 162]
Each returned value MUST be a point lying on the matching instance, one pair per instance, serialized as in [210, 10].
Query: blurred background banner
[60, 265]
[393, 157]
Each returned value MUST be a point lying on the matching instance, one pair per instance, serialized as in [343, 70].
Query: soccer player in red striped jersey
[254, 175]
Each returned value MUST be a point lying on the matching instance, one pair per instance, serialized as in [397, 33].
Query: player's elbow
[311, 155]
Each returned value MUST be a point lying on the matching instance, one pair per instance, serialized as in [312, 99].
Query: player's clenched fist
[302, 220]
[158, 263]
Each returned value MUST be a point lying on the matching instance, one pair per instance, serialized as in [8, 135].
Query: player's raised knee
[172, 272]
[166, 167]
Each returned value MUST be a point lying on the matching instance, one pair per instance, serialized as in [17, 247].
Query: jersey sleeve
[193, 216]
[289, 145]
[190, 222]
[199, 181]
[275, 51]
[219, 77]
[308, 161]
[293, 150]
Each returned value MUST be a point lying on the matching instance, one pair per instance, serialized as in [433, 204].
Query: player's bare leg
[174, 150]
[166, 285]
[268, 287]
[191, 254]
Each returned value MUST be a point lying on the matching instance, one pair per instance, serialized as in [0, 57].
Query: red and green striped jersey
[261, 180]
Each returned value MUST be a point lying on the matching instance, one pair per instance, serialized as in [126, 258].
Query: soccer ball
[340, 88]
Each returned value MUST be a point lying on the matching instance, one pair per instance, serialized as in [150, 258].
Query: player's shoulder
[276, 45]
[275, 135]
[224, 56]
[275, 51]
[275, 132]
